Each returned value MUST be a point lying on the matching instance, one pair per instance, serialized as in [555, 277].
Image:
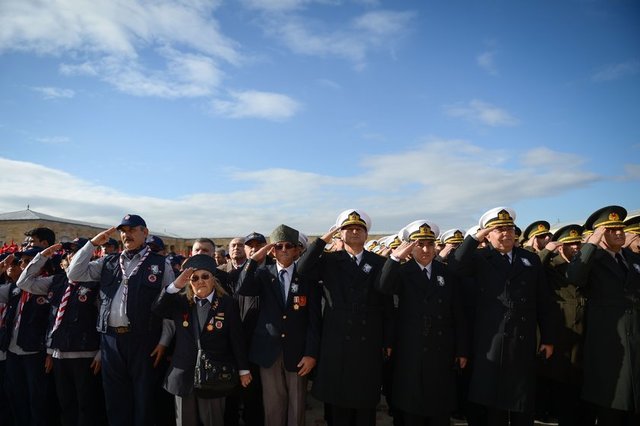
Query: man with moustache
[610, 278]
[357, 322]
[513, 299]
[131, 344]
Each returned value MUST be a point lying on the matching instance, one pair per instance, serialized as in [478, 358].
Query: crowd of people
[493, 324]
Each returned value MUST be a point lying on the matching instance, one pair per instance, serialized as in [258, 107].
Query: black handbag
[213, 376]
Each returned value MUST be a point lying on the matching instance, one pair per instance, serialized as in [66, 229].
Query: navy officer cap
[132, 220]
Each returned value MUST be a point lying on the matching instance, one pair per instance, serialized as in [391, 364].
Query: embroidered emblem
[218, 325]
[440, 280]
[294, 288]
[152, 278]
[82, 297]
[155, 269]
[526, 262]
[83, 290]
[367, 268]
[613, 216]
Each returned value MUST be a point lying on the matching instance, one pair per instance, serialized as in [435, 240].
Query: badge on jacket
[440, 280]
[636, 267]
[526, 262]
[366, 268]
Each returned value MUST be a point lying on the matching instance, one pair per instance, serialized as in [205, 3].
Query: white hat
[353, 217]
[370, 245]
[303, 239]
[472, 231]
[422, 229]
[452, 236]
[498, 216]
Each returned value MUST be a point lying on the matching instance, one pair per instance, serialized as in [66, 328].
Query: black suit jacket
[221, 334]
[292, 328]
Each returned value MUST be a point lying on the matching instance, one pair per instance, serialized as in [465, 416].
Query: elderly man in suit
[287, 336]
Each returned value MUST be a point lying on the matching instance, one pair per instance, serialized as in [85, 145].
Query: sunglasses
[285, 246]
[195, 278]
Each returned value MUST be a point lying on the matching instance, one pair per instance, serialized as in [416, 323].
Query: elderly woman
[202, 310]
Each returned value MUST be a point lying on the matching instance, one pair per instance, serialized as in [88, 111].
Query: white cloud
[54, 92]
[482, 112]
[352, 40]
[486, 61]
[616, 71]
[111, 39]
[448, 181]
[267, 105]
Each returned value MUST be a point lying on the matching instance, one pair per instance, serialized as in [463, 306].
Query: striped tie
[62, 307]
[24, 298]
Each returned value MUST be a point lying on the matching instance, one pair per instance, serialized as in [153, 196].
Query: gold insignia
[573, 233]
[457, 234]
[541, 227]
[425, 229]
[354, 217]
[613, 216]
[504, 215]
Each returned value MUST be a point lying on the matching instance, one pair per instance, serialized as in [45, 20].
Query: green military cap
[539, 227]
[609, 217]
[518, 232]
[568, 234]
[284, 233]
[632, 225]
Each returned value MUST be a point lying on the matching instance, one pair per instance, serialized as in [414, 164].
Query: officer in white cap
[432, 333]
[513, 299]
[357, 321]
[451, 239]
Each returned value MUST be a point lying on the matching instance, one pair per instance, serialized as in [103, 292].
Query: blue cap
[254, 236]
[111, 242]
[132, 220]
[30, 252]
[155, 243]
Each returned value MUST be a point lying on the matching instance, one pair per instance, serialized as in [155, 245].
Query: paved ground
[315, 415]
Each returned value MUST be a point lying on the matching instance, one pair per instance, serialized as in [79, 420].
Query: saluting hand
[483, 232]
[51, 250]
[262, 253]
[103, 237]
[245, 379]
[403, 251]
[183, 278]
[552, 245]
[444, 253]
[4, 265]
[597, 235]
[329, 235]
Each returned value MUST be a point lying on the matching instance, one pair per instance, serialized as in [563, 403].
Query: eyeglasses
[285, 246]
[195, 278]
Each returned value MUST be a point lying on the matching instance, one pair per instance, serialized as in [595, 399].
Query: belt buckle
[122, 329]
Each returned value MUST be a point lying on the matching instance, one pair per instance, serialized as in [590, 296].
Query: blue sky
[223, 117]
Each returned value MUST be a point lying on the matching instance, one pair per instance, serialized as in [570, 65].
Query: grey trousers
[191, 410]
[283, 393]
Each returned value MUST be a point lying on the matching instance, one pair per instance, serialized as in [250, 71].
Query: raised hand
[103, 237]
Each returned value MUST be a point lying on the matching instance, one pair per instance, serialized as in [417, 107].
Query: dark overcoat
[565, 365]
[612, 336]
[513, 299]
[221, 334]
[357, 325]
[431, 333]
[291, 328]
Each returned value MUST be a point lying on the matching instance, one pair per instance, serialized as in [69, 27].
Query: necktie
[620, 260]
[62, 307]
[24, 298]
[426, 273]
[202, 302]
[506, 257]
[354, 260]
[281, 278]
